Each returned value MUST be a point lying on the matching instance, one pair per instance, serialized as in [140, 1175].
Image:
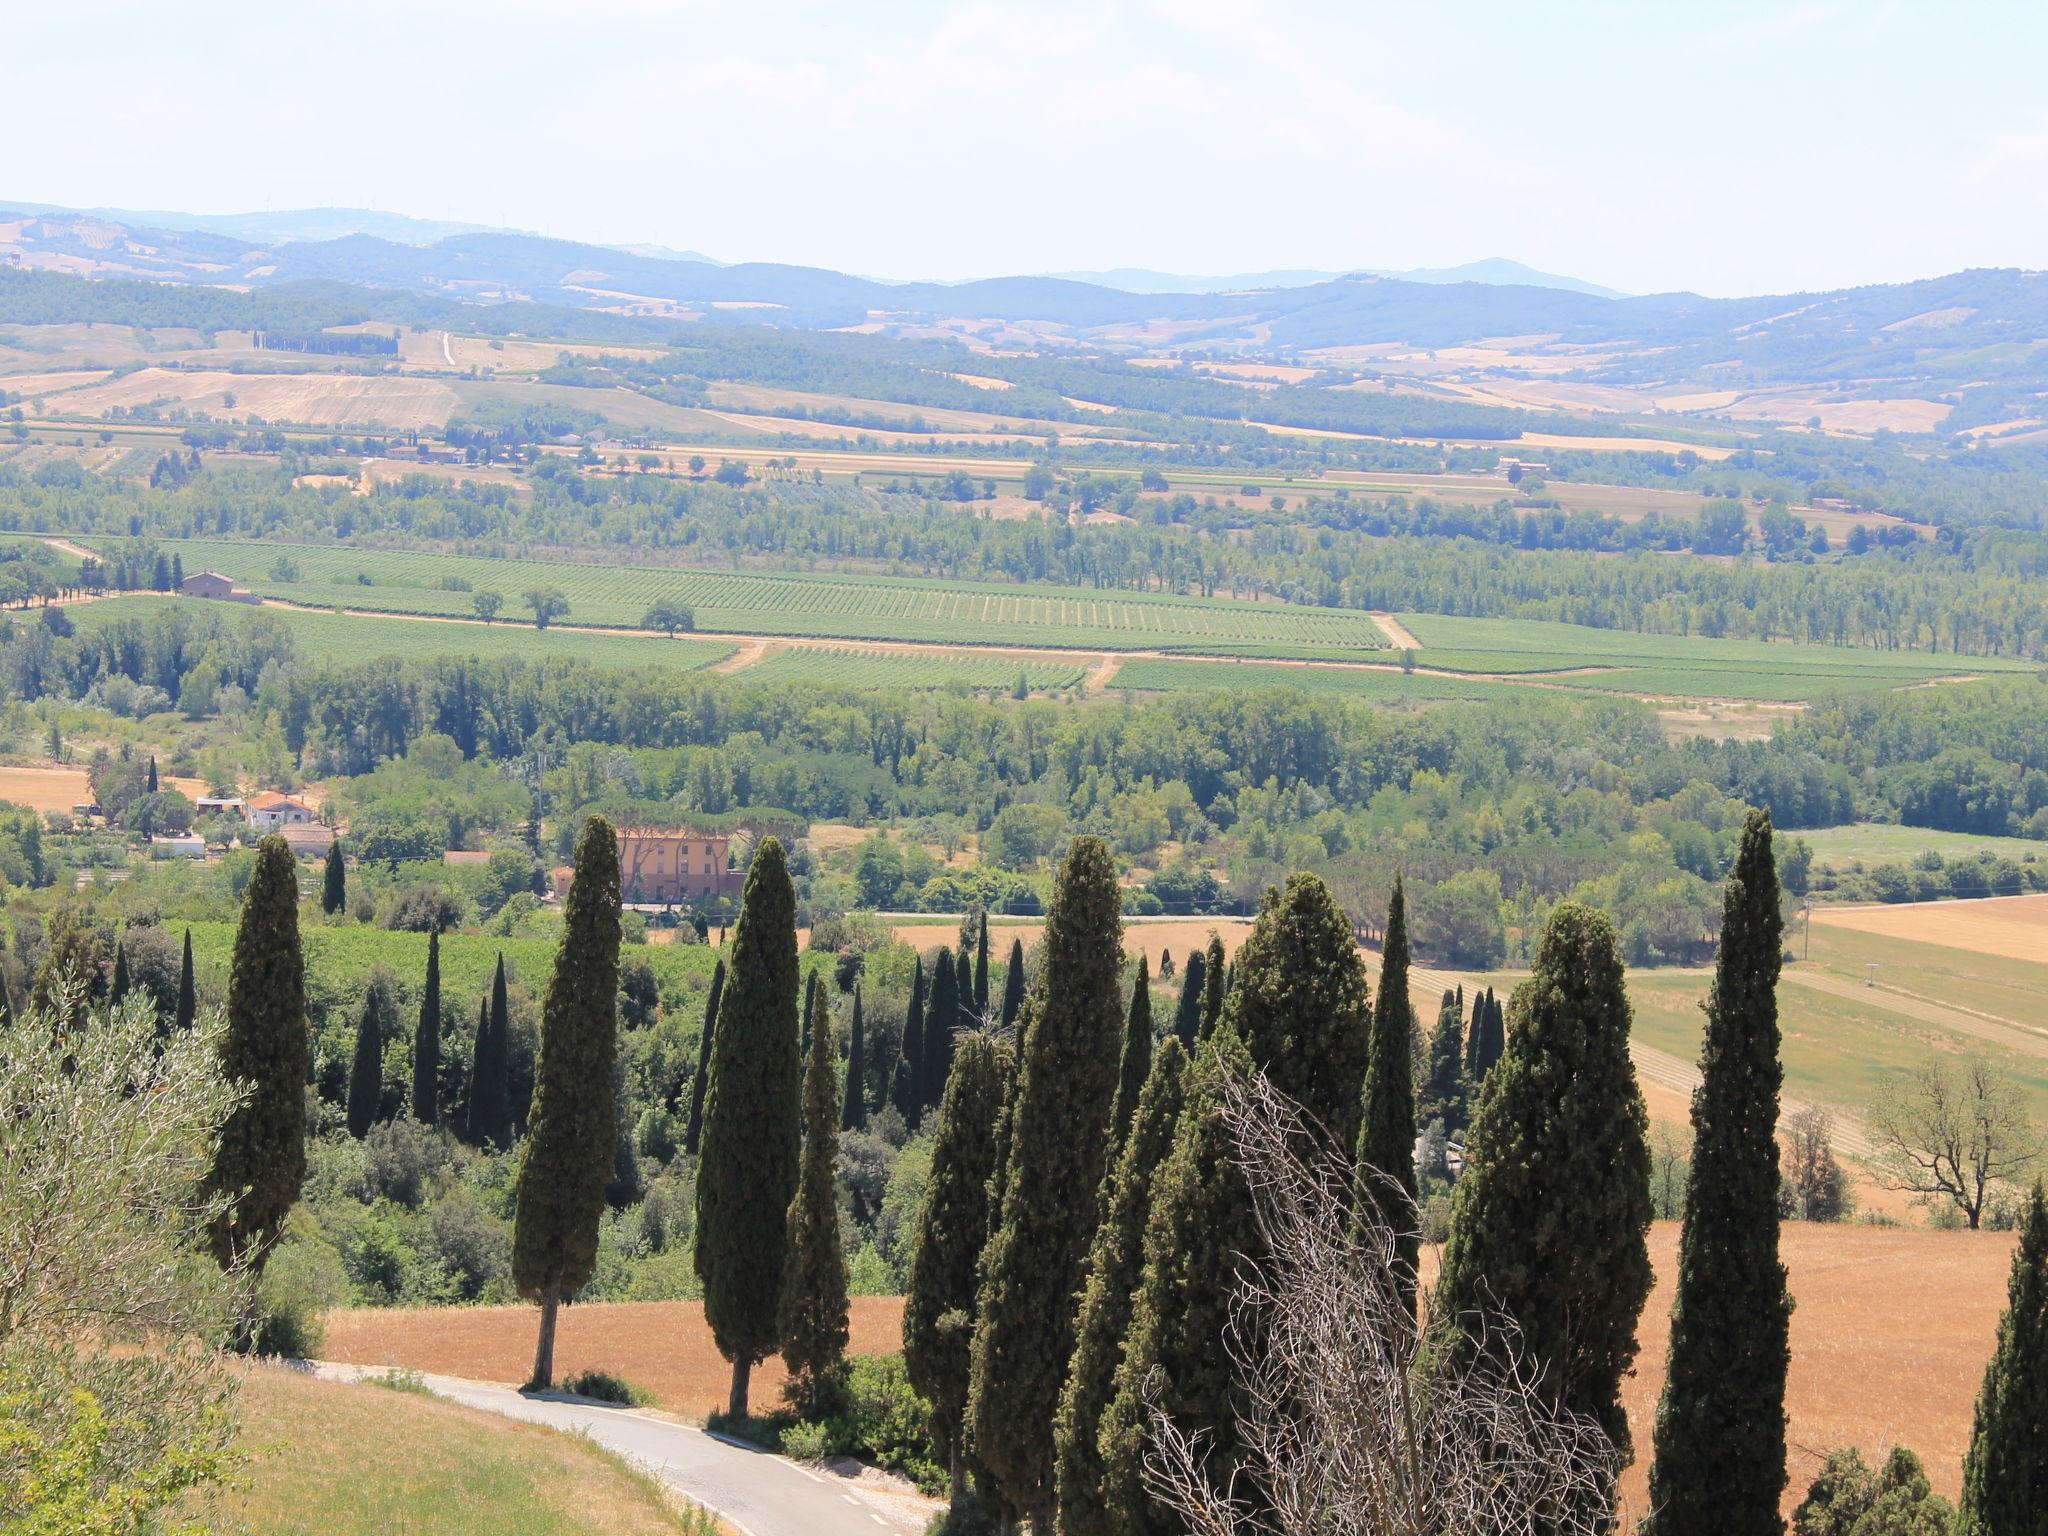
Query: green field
[358, 637]
[832, 667]
[826, 607]
[1149, 675]
[1685, 665]
[1874, 842]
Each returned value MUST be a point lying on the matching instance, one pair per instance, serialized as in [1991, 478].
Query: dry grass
[308, 399]
[52, 788]
[329, 1458]
[2012, 927]
[664, 1347]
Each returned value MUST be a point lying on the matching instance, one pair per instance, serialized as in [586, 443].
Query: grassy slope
[328, 1459]
[1871, 842]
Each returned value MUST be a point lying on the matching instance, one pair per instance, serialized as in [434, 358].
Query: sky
[1723, 147]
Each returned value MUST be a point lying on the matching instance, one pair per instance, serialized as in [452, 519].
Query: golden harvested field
[308, 399]
[756, 400]
[2013, 927]
[59, 789]
[664, 1347]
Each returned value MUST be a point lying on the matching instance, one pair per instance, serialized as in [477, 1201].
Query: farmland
[826, 607]
[1382, 684]
[1884, 842]
[2007, 927]
[838, 667]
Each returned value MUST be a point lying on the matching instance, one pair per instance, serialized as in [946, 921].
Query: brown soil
[2014, 927]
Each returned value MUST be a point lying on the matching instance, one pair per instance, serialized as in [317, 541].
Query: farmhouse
[271, 809]
[221, 805]
[667, 864]
[214, 585]
[308, 839]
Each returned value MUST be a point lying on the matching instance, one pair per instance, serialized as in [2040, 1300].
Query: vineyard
[820, 606]
[834, 667]
[1382, 685]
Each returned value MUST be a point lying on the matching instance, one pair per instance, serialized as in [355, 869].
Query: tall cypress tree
[804, 1013]
[1058, 1139]
[963, 991]
[1386, 1139]
[1300, 1003]
[1114, 1270]
[814, 1304]
[490, 1077]
[910, 1070]
[1215, 982]
[426, 1041]
[334, 881]
[752, 1126]
[1442, 1096]
[118, 989]
[1720, 1438]
[1475, 1036]
[693, 1137]
[1548, 1223]
[152, 773]
[853, 1114]
[571, 1129]
[952, 1229]
[376, 1021]
[1013, 984]
[1137, 1060]
[941, 1019]
[1187, 1017]
[2005, 1474]
[259, 1162]
[188, 990]
[981, 972]
[1200, 1225]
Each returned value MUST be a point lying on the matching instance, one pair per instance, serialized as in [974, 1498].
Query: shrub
[807, 1440]
[400, 1378]
[302, 1282]
[882, 1419]
[1848, 1499]
[607, 1388]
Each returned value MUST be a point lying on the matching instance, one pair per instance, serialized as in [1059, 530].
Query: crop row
[872, 669]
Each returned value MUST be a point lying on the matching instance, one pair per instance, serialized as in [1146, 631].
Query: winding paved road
[756, 1493]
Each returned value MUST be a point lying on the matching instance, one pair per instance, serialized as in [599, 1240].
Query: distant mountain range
[1497, 270]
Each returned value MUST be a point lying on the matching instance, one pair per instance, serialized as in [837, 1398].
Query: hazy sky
[1723, 147]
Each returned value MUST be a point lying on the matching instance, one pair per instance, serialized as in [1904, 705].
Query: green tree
[910, 1069]
[1442, 1096]
[1215, 982]
[487, 604]
[1058, 1138]
[693, 1138]
[1137, 1060]
[548, 604]
[117, 989]
[854, 1113]
[2005, 1474]
[259, 1162]
[1719, 1461]
[1549, 1221]
[1013, 984]
[1114, 1270]
[668, 616]
[188, 991]
[1187, 1016]
[1848, 1499]
[376, 1021]
[1386, 1137]
[490, 1074]
[334, 881]
[952, 1229]
[814, 1305]
[426, 1041]
[569, 1146]
[752, 1126]
[1201, 1221]
[941, 1020]
[981, 970]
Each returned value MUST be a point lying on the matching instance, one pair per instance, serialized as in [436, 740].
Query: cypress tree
[1548, 1223]
[1215, 982]
[910, 1071]
[426, 1041]
[374, 1021]
[1475, 1036]
[334, 881]
[1299, 1002]
[1443, 1084]
[964, 1016]
[2005, 1474]
[814, 1304]
[152, 773]
[259, 1162]
[854, 1113]
[1187, 1017]
[941, 1019]
[188, 992]
[1386, 1138]
[752, 1127]
[981, 972]
[1137, 1061]
[1013, 984]
[571, 1130]
[120, 985]
[1058, 1139]
[490, 1078]
[1113, 1274]
[1496, 1041]
[952, 1229]
[1720, 1435]
[693, 1137]
[7, 998]
[1200, 1224]
[804, 1014]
